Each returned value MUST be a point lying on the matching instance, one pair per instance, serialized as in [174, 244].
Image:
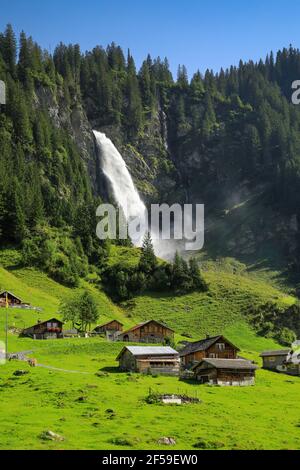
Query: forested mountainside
[230, 140]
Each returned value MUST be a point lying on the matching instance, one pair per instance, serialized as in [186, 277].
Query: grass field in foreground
[75, 405]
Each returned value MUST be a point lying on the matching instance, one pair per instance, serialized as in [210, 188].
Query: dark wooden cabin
[49, 329]
[211, 347]
[225, 372]
[149, 359]
[111, 326]
[12, 299]
[151, 331]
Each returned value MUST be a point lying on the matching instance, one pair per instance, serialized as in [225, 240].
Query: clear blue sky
[201, 34]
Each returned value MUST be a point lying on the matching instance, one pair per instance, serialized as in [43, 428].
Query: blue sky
[201, 34]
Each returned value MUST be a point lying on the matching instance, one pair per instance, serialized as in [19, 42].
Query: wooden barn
[239, 372]
[12, 299]
[49, 329]
[112, 326]
[210, 347]
[151, 331]
[273, 360]
[149, 359]
[285, 360]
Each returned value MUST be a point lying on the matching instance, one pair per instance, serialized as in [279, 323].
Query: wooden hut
[49, 329]
[225, 372]
[211, 347]
[12, 299]
[112, 326]
[273, 360]
[151, 331]
[149, 359]
[285, 360]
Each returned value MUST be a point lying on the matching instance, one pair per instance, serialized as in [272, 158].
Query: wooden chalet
[12, 299]
[111, 326]
[239, 372]
[49, 329]
[284, 360]
[211, 347]
[151, 331]
[149, 359]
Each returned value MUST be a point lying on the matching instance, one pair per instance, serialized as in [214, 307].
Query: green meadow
[78, 392]
[98, 407]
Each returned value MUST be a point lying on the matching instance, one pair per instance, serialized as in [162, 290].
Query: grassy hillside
[220, 310]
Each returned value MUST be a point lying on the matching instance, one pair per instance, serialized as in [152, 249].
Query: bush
[286, 336]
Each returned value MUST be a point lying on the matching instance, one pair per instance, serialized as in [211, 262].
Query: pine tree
[182, 77]
[198, 283]
[181, 281]
[9, 49]
[148, 261]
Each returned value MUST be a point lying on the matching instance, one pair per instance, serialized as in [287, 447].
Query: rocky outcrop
[73, 119]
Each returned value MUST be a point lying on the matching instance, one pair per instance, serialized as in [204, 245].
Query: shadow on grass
[111, 370]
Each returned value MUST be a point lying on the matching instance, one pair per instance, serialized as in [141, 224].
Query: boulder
[167, 441]
[52, 436]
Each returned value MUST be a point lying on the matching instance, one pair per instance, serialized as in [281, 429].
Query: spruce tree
[148, 261]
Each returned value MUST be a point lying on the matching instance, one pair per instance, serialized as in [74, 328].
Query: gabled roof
[280, 352]
[227, 364]
[10, 293]
[203, 345]
[108, 323]
[136, 327]
[148, 350]
[43, 322]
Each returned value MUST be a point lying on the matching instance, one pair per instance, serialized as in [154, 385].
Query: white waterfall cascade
[122, 186]
[126, 195]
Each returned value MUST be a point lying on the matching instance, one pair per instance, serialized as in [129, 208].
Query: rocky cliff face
[74, 121]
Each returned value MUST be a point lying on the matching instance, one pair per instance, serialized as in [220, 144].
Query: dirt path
[63, 370]
[22, 356]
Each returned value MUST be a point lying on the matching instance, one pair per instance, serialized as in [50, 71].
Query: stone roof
[108, 323]
[203, 345]
[136, 327]
[279, 352]
[227, 364]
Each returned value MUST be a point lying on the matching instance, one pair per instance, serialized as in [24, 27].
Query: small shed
[151, 331]
[274, 359]
[50, 329]
[149, 359]
[285, 360]
[111, 326]
[12, 299]
[72, 333]
[213, 347]
[225, 372]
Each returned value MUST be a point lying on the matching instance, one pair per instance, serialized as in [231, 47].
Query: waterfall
[126, 195]
[123, 190]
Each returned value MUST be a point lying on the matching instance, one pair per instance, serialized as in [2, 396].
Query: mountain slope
[223, 309]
